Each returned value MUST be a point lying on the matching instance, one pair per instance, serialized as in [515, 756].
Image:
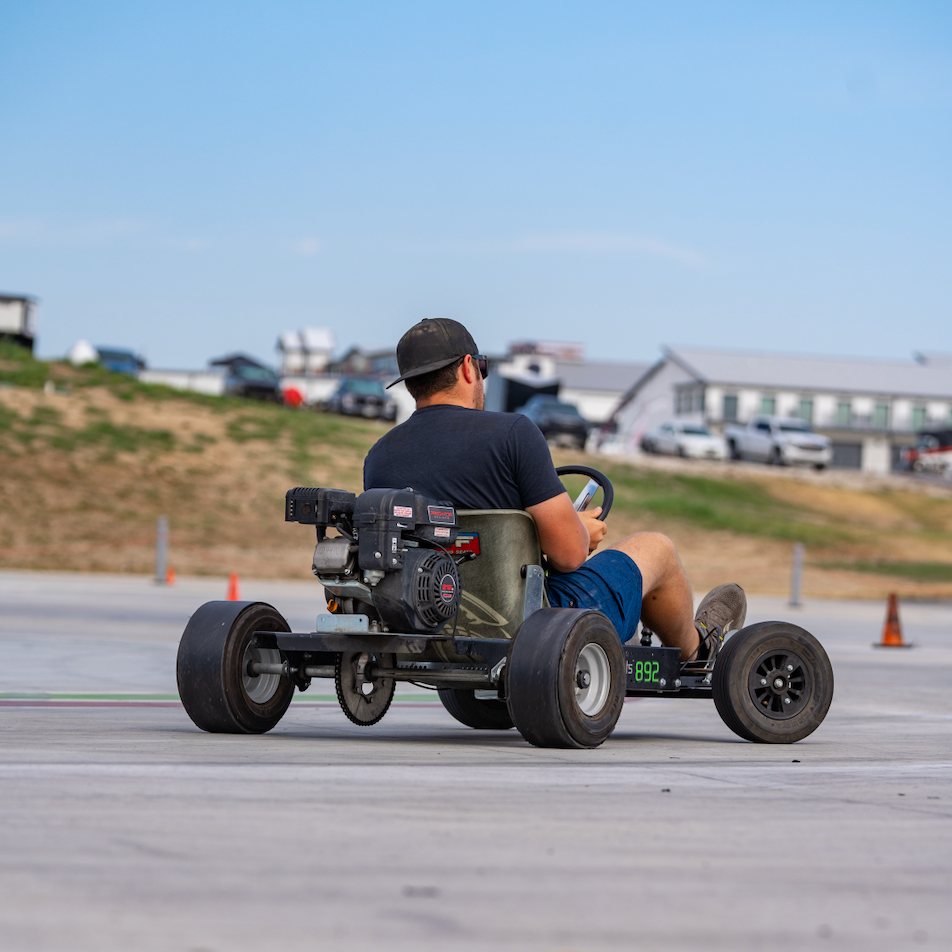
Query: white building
[307, 351]
[596, 386]
[868, 408]
[18, 318]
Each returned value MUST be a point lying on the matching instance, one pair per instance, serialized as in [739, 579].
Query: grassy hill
[89, 459]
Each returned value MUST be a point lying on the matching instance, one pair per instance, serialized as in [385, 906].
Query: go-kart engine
[422, 597]
[390, 556]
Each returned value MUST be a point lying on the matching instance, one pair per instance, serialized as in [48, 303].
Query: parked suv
[778, 441]
[561, 423]
[255, 382]
[363, 396]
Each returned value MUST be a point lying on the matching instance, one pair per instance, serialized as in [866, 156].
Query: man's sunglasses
[483, 364]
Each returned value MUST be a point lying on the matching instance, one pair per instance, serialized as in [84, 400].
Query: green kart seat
[494, 590]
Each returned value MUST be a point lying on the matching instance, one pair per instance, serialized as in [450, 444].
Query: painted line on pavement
[144, 702]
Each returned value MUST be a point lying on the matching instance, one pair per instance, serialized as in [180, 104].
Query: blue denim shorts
[609, 582]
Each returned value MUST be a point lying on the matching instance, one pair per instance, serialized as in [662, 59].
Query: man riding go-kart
[434, 575]
[454, 450]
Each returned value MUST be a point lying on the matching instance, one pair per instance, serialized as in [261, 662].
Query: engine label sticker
[442, 532]
[403, 512]
[441, 516]
[447, 588]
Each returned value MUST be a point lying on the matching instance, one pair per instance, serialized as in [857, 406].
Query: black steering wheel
[595, 476]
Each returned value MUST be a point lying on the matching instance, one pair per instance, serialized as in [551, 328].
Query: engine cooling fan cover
[423, 596]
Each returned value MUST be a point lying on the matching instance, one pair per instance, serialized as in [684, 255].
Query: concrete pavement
[124, 827]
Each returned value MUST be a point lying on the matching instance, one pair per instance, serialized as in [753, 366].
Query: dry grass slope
[88, 460]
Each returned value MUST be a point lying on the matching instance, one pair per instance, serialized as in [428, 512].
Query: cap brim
[425, 369]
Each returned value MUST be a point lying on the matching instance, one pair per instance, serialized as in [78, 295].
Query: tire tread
[730, 690]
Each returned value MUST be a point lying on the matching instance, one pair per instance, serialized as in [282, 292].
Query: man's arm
[566, 536]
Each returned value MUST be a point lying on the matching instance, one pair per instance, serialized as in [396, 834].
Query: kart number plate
[652, 669]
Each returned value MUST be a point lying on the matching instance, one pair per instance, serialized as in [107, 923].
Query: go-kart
[455, 601]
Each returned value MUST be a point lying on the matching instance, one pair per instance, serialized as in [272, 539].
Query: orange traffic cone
[170, 576]
[892, 631]
[233, 595]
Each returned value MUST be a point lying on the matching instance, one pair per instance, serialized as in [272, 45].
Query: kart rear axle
[451, 676]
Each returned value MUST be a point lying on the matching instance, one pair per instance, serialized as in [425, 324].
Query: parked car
[932, 452]
[120, 361]
[561, 423]
[248, 380]
[778, 441]
[684, 439]
[363, 396]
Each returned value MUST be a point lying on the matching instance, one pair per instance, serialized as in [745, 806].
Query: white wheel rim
[591, 698]
[262, 688]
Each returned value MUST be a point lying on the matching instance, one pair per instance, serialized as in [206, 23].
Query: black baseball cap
[431, 345]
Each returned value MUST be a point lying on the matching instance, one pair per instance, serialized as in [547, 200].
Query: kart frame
[560, 676]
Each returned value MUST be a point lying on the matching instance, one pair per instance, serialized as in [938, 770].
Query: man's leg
[667, 606]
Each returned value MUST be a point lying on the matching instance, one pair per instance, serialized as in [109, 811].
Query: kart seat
[494, 590]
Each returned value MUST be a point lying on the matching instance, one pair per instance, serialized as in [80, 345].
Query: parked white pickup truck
[778, 441]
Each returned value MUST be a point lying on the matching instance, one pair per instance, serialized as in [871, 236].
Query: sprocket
[363, 701]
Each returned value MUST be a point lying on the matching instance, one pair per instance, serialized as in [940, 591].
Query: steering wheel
[596, 477]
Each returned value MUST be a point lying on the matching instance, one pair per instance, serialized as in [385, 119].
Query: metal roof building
[853, 375]
[869, 408]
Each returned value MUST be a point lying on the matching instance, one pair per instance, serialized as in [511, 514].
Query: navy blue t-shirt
[472, 459]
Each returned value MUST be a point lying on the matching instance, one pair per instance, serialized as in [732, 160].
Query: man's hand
[567, 536]
[595, 527]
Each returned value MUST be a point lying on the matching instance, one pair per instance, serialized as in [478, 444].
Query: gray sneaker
[723, 609]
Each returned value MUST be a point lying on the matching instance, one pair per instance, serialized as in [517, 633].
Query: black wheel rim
[780, 684]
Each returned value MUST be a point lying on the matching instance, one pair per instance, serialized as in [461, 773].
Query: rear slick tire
[566, 678]
[772, 683]
[482, 715]
[217, 690]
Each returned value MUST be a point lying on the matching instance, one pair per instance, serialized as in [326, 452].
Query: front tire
[216, 687]
[566, 681]
[481, 714]
[772, 683]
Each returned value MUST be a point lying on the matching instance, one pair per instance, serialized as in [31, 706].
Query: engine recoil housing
[423, 597]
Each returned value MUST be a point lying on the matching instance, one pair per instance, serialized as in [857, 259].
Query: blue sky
[192, 178]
